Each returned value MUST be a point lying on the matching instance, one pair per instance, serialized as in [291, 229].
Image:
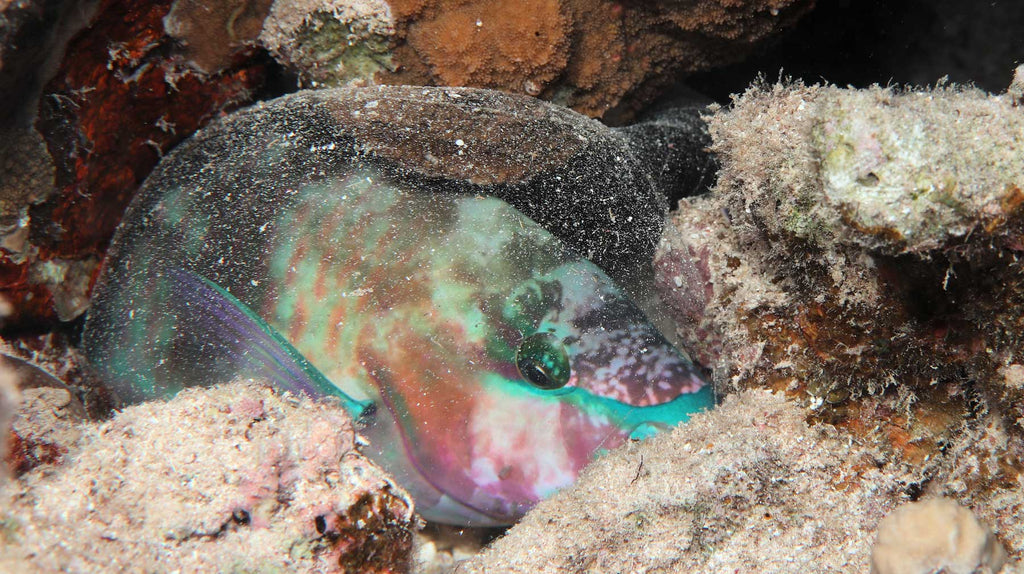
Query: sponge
[935, 535]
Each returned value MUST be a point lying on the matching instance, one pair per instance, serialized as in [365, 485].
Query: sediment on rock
[861, 252]
[231, 477]
[737, 488]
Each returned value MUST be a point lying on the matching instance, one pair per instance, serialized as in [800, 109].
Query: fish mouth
[647, 429]
[632, 422]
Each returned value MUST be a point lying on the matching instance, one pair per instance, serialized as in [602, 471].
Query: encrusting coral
[600, 57]
[592, 55]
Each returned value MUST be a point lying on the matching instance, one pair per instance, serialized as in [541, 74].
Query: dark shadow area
[905, 42]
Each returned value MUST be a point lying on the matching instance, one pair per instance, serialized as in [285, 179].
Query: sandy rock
[861, 252]
[45, 427]
[228, 478]
[46, 418]
[749, 487]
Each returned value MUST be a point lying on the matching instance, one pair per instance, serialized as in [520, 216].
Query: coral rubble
[227, 478]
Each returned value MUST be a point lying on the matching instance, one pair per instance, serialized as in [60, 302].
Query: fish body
[487, 361]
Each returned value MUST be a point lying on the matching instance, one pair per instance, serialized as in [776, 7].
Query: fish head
[544, 364]
[590, 342]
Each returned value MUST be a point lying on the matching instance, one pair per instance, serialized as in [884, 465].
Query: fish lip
[647, 429]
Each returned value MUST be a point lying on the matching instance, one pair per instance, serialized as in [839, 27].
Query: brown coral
[493, 44]
[215, 32]
[589, 54]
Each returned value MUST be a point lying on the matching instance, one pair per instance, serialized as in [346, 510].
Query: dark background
[900, 42]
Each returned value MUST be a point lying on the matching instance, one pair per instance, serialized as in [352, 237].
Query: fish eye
[542, 360]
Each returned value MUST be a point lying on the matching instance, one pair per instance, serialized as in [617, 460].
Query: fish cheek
[518, 455]
[427, 385]
[526, 446]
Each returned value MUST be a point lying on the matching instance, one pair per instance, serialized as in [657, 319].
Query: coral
[934, 535]
[227, 478]
[593, 55]
[213, 33]
[858, 241]
[1016, 89]
[121, 95]
[520, 46]
[330, 42]
[748, 487]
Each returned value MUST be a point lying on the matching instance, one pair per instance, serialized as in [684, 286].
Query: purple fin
[254, 347]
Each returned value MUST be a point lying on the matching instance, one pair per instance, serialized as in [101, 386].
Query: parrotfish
[485, 361]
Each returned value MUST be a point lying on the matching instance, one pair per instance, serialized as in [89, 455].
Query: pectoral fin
[252, 345]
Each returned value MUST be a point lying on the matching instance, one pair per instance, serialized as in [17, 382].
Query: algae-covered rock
[888, 170]
[856, 240]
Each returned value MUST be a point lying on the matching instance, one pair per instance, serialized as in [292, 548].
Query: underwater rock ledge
[861, 252]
